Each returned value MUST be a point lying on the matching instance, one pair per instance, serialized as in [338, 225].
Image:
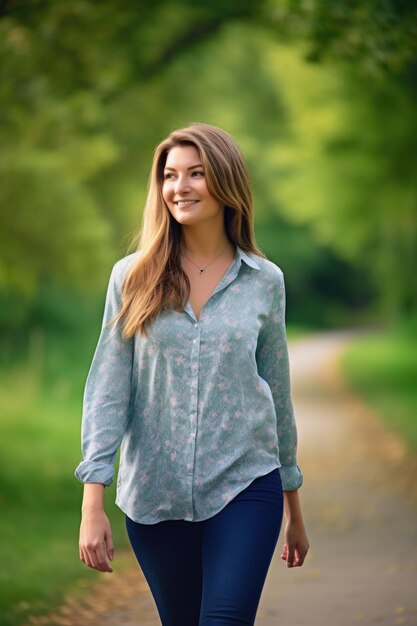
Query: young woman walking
[190, 378]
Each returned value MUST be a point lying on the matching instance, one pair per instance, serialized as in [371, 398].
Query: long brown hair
[156, 279]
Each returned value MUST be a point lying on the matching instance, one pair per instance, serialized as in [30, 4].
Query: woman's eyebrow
[189, 168]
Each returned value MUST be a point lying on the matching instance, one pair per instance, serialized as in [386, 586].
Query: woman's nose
[182, 185]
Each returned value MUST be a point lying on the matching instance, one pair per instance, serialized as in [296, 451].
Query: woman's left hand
[296, 547]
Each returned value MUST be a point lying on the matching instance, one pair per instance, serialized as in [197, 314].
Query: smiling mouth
[185, 202]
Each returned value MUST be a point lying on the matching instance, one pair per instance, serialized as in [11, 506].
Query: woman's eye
[169, 175]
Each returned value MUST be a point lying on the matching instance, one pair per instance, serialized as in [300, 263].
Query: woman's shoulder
[120, 269]
[269, 269]
[122, 265]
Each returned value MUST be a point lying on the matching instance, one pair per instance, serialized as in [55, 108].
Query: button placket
[193, 406]
[194, 384]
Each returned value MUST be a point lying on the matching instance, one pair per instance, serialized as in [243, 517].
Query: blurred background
[321, 97]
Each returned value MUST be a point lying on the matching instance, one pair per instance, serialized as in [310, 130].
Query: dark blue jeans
[212, 572]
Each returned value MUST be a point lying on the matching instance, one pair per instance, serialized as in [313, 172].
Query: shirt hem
[149, 520]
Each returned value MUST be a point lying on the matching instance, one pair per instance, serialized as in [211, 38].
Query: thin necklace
[203, 269]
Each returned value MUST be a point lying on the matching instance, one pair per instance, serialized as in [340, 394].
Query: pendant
[201, 270]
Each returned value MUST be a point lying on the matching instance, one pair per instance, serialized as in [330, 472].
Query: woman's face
[185, 190]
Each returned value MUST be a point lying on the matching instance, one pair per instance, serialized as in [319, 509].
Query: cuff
[93, 472]
[291, 477]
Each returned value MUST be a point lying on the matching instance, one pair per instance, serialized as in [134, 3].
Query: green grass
[298, 332]
[382, 368]
[40, 498]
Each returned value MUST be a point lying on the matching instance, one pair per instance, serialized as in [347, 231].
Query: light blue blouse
[201, 407]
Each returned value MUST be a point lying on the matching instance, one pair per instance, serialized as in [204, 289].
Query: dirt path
[359, 503]
[360, 506]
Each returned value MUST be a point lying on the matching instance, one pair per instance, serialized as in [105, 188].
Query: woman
[190, 379]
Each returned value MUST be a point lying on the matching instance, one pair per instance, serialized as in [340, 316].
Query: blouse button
[196, 325]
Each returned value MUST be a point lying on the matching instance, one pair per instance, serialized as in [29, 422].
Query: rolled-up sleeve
[273, 365]
[106, 400]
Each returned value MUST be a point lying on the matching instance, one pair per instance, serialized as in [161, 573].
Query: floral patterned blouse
[199, 408]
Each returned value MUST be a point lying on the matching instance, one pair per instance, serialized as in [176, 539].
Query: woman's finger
[86, 558]
[290, 556]
[92, 560]
[101, 559]
[300, 556]
[109, 545]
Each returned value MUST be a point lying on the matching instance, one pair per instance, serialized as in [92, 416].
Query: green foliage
[39, 498]
[382, 368]
[349, 170]
[49, 223]
[87, 91]
[377, 36]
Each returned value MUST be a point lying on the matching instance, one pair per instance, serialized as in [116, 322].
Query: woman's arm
[93, 497]
[107, 393]
[273, 366]
[296, 547]
[96, 540]
[106, 405]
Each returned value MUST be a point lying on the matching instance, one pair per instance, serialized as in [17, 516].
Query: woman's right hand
[96, 541]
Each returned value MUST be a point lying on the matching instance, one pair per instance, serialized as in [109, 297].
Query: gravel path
[359, 502]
